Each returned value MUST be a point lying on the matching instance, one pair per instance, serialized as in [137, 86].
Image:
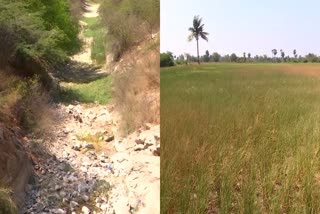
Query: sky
[237, 26]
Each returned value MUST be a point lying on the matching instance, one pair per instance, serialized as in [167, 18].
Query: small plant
[67, 167]
[102, 188]
[7, 206]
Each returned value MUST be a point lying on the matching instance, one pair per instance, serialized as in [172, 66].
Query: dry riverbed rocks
[89, 169]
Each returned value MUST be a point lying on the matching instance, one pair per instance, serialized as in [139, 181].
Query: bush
[166, 60]
[136, 93]
[36, 32]
[25, 100]
[7, 206]
[128, 22]
[148, 11]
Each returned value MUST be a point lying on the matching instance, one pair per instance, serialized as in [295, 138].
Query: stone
[85, 210]
[72, 178]
[63, 194]
[156, 152]
[39, 207]
[89, 146]
[58, 211]
[85, 198]
[77, 147]
[109, 138]
[73, 204]
[104, 207]
[57, 188]
[82, 187]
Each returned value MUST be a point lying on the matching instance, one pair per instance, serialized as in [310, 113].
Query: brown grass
[240, 138]
[24, 102]
[303, 69]
[7, 206]
[136, 92]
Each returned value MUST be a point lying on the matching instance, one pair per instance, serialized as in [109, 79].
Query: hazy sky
[238, 26]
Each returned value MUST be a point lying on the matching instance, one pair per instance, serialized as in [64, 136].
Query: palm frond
[205, 33]
[196, 22]
[191, 29]
[204, 36]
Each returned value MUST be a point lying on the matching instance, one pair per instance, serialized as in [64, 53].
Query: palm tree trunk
[198, 51]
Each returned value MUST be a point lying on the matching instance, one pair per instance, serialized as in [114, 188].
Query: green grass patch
[97, 90]
[92, 26]
[95, 30]
[243, 138]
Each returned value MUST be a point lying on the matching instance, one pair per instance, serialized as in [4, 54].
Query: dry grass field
[240, 138]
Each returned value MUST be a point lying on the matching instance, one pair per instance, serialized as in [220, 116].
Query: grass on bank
[95, 30]
[240, 138]
[7, 206]
[97, 90]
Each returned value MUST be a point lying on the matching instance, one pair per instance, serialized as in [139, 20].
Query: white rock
[58, 211]
[74, 204]
[85, 198]
[85, 210]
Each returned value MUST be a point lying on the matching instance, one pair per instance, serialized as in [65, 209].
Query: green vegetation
[247, 57]
[166, 59]
[240, 138]
[36, 36]
[92, 26]
[7, 206]
[98, 90]
[38, 29]
[95, 30]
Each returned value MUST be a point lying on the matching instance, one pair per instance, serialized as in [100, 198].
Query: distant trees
[166, 59]
[312, 58]
[247, 57]
[206, 57]
[233, 57]
[274, 52]
[197, 32]
[282, 54]
[216, 57]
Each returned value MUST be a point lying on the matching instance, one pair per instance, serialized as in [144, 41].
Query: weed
[6, 204]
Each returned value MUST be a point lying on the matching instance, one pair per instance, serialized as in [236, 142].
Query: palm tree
[282, 54]
[295, 53]
[274, 52]
[196, 32]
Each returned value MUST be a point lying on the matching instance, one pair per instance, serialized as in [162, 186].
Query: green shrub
[98, 33]
[166, 60]
[36, 32]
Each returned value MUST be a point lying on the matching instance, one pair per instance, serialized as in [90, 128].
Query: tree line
[169, 59]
